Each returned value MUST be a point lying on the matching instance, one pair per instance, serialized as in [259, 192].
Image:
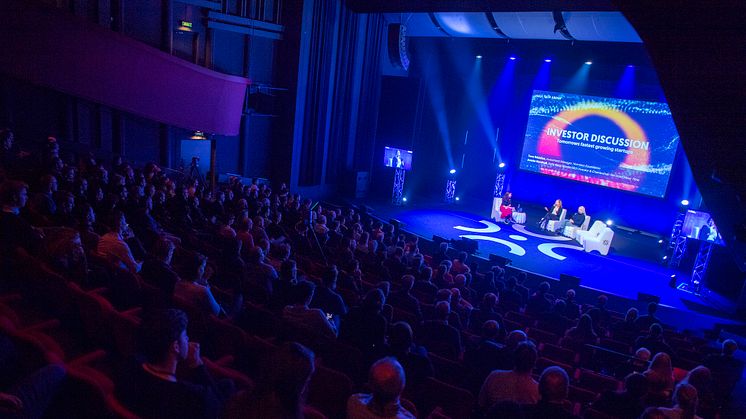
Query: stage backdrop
[617, 143]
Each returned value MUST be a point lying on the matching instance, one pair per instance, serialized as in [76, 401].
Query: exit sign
[186, 24]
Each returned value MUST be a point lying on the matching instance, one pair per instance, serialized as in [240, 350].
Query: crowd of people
[326, 275]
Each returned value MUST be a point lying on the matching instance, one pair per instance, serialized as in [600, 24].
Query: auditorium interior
[372, 209]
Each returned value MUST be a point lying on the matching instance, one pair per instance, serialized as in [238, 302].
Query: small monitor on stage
[700, 225]
[397, 158]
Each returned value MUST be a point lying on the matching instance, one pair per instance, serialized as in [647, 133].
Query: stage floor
[630, 267]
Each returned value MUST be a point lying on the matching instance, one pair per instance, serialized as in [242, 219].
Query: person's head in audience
[661, 364]
[117, 223]
[655, 331]
[407, 282]
[6, 138]
[700, 377]
[374, 300]
[636, 385]
[652, 308]
[510, 283]
[585, 326]
[195, 267]
[685, 398]
[48, 184]
[283, 251]
[525, 357]
[522, 277]
[462, 257]
[729, 347]
[303, 293]
[443, 247]
[401, 338]
[163, 337]
[515, 337]
[288, 271]
[426, 274]
[601, 301]
[443, 294]
[653, 413]
[560, 306]
[163, 250]
[256, 255]
[282, 389]
[631, 315]
[64, 250]
[86, 216]
[643, 354]
[553, 385]
[386, 380]
[490, 329]
[329, 278]
[489, 302]
[442, 310]
[13, 195]
[570, 295]
[384, 286]
[543, 288]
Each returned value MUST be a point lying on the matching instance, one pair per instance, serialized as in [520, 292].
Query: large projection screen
[617, 143]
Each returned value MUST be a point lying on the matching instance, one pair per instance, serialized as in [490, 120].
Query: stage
[631, 267]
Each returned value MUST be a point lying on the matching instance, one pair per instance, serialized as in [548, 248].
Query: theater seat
[454, 401]
[590, 380]
[328, 391]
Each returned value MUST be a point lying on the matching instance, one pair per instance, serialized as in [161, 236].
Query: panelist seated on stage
[576, 220]
[553, 214]
[506, 207]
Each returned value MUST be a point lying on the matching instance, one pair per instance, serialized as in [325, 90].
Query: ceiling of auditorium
[545, 25]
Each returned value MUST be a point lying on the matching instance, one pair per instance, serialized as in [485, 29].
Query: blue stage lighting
[660, 241]
[479, 57]
[501, 165]
[609, 222]
[665, 257]
[589, 62]
[404, 199]
[458, 199]
[685, 202]
[513, 58]
[452, 171]
[547, 60]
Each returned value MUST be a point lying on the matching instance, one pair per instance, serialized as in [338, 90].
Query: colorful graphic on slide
[616, 143]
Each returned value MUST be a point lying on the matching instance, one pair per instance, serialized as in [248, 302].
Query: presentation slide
[398, 158]
[617, 143]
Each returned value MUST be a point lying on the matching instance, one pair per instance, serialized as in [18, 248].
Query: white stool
[519, 217]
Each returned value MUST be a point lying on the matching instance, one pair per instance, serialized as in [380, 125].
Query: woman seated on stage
[506, 207]
[552, 214]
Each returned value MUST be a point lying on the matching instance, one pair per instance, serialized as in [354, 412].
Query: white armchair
[594, 231]
[600, 243]
[570, 229]
[553, 224]
[496, 202]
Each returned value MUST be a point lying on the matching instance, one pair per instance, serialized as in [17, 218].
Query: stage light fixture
[458, 199]
[479, 57]
[665, 257]
[685, 202]
[404, 199]
[513, 58]
[452, 171]
[547, 60]
[672, 281]
[501, 165]
[609, 222]
[589, 62]
[660, 241]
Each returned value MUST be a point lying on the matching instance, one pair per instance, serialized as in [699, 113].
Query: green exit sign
[186, 24]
